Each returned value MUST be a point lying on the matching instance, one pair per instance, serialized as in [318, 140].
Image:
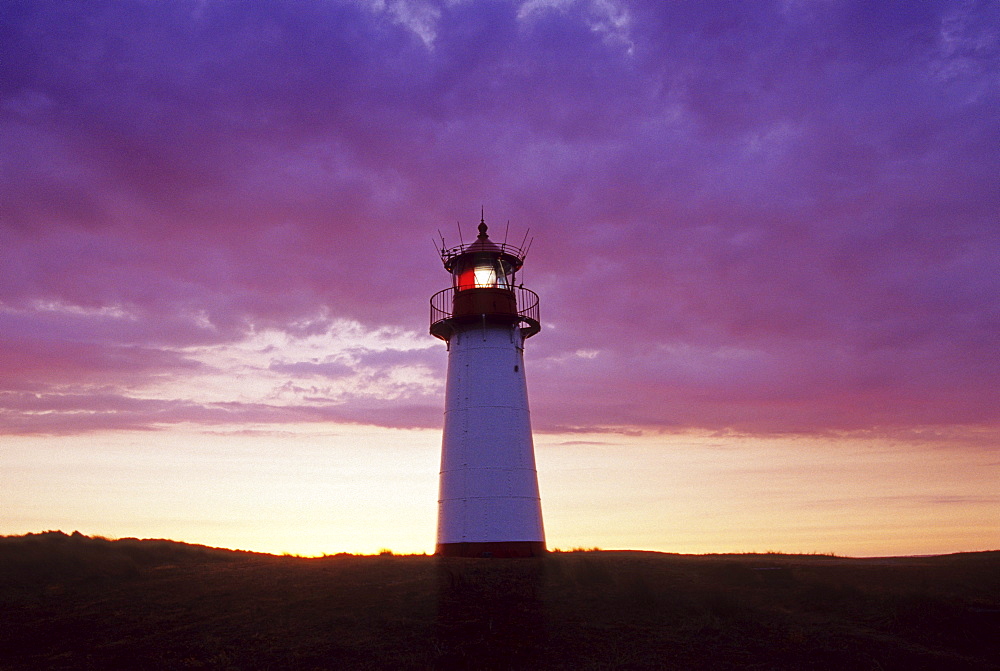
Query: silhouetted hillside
[72, 602]
[55, 557]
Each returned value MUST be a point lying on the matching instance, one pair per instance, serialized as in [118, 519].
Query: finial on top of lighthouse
[482, 225]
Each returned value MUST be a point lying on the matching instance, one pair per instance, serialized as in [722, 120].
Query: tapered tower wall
[489, 502]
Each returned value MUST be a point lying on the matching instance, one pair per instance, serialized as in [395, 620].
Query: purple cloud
[328, 369]
[777, 217]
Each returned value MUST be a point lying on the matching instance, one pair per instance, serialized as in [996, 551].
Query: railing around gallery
[442, 310]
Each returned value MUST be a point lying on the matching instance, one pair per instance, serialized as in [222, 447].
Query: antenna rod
[505, 233]
[460, 240]
[525, 238]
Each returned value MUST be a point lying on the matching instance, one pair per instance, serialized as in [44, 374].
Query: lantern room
[482, 264]
[482, 270]
[484, 287]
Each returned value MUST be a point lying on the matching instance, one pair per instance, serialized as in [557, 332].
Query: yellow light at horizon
[323, 489]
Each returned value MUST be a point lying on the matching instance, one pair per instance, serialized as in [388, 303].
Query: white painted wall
[488, 486]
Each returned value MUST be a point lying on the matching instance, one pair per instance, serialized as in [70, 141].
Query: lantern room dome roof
[483, 242]
[507, 253]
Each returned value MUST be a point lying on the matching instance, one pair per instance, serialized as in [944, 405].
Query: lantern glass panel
[482, 272]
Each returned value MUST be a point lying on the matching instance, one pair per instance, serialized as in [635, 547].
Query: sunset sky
[766, 243]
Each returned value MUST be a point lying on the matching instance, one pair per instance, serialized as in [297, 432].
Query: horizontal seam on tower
[467, 407]
[490, 468]
[481, 498]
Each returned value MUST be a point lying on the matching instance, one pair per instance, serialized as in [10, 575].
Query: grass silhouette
[73, 602]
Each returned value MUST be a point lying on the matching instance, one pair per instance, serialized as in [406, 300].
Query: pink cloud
[763, 218]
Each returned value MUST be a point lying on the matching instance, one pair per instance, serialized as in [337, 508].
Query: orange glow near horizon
[361, 489]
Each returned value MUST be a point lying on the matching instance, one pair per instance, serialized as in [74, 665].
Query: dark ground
[73, 602]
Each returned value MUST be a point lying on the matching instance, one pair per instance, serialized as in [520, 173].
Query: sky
[765, 236]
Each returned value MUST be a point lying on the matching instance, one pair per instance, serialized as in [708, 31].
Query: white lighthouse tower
[489, 504]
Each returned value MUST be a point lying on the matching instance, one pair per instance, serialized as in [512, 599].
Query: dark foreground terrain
[73, 602]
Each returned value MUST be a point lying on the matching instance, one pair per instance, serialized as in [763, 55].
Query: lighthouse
[488, 504]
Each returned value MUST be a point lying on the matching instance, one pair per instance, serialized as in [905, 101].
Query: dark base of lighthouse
[498, 550]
